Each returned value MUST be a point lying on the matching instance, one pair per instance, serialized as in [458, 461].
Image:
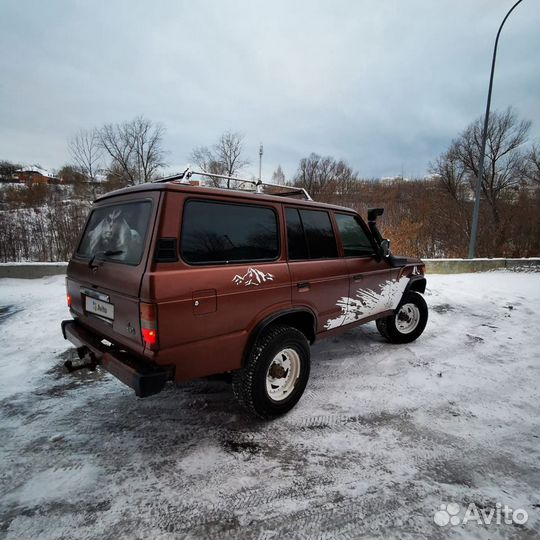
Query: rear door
[319, 276]
[373, 285]
[104, 275]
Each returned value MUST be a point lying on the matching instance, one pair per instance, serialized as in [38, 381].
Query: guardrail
[463, 266]
[33, 270]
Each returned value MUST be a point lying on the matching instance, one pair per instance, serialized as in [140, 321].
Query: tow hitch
[87, 360]
[144, 377]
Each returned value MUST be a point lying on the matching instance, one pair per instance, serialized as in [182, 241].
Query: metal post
[260, 160]
[478, 191]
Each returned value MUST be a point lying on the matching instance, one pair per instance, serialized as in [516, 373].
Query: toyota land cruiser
[171, 281]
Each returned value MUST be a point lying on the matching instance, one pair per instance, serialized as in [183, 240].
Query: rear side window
[116, 232]
[295, 235]
[216, 233]
[310, 234]
[354, 239]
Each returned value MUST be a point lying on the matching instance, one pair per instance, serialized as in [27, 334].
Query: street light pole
[260, 159]
[476, 211]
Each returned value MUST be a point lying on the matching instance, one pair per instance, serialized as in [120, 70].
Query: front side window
[310, 234]
[116, 232]
[214, 233]
[354, 239]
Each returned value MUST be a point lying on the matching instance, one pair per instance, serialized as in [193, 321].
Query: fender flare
[417, 284]
[270, 319]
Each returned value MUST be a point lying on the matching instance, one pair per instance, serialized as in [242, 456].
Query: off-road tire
[249, 382]
[388, 326]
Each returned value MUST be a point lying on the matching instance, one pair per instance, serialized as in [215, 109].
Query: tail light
[149, 325]
[69, 300]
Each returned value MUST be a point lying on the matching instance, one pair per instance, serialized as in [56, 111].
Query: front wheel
[408, 322]
[275, 374]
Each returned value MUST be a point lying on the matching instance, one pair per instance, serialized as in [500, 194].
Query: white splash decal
[368, 303]
[253, 277]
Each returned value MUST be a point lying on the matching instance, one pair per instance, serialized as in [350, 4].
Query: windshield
[116, 232]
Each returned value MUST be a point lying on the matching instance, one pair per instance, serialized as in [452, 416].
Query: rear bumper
[142, 376]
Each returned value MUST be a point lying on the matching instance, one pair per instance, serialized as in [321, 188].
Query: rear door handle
[358, 277]
[303, 285]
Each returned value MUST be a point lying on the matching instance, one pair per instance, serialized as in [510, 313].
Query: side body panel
[373, 288]
[322, 286]
[206, 312]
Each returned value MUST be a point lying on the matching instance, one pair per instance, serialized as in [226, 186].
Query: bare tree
[452, 174]
[325, 178]
[7, 169]
[86, 152]
[506, 167]
[135, 149]
[532, 165]
[149, 154]
[229, 152]
[278, 176]
[225, 157]
[206, 161]
[117, 142]
[503, 161]
[532, 175]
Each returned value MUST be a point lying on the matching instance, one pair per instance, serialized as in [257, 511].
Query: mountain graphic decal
[252, 277]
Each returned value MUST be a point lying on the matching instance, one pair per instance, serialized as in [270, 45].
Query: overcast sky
[383, 84]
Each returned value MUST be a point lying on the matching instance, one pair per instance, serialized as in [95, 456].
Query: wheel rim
[407, 318]
[282, 374]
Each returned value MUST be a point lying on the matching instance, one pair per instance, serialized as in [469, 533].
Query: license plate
[98, 307]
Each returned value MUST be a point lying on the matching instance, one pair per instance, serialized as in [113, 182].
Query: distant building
[35, 175]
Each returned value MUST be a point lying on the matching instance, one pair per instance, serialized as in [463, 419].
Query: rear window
[116, 232]
[216, 233]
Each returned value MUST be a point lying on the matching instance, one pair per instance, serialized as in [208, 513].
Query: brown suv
[171, 282]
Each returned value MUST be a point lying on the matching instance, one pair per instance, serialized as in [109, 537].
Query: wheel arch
[303, 319]
[417, 284]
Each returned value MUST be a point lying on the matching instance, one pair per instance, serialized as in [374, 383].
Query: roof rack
[258, 185]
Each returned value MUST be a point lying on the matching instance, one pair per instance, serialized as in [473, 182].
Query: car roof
[222, 192]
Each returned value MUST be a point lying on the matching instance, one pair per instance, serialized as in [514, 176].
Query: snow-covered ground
[384, 435]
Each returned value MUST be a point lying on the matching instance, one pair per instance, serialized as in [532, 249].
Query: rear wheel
[408, 322]
[275, 374]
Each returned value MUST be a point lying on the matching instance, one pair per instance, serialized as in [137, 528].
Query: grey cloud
[382, 84]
